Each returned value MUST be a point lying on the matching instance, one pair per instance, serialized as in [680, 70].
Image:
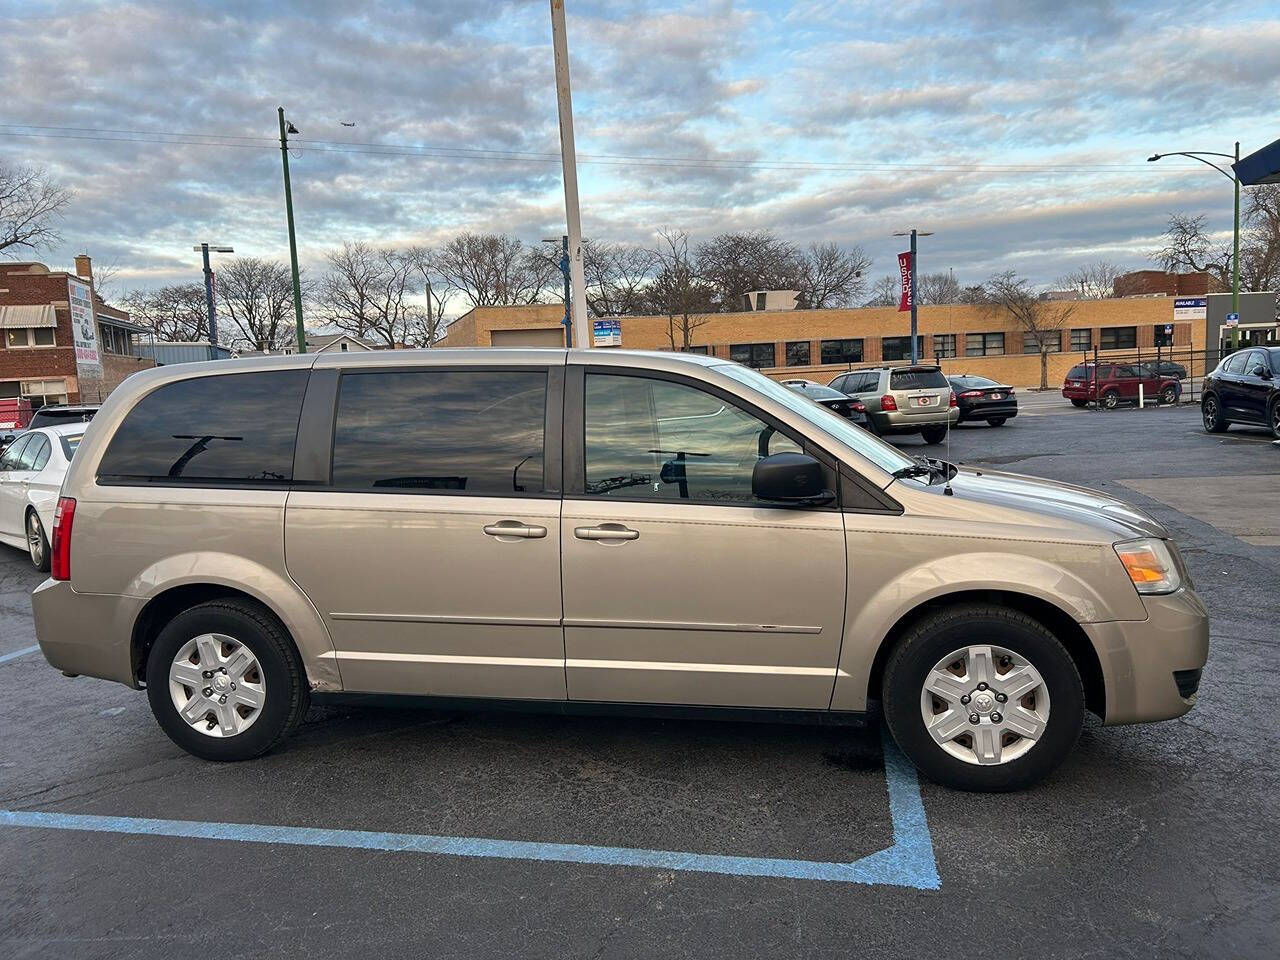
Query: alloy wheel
[1275, 419]
[35, 540]
[985, 704]
[1110, 400]
[217, 685]
[1209, 411]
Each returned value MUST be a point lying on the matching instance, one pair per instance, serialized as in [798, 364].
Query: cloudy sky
[1016, 130]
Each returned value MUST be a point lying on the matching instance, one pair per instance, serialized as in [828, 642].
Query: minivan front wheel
[983, 697]
[225, 682]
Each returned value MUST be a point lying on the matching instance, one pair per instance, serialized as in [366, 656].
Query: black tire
[997, 421]
[36, 529]
[287, 694]
[1079, 403]
[1109, 400]
[952, 628]
[1169, 395]
[1211, 414]
[934, 434]
[1274, 418]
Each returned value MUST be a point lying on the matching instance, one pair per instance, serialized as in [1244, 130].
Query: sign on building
[84, 330]
[607, 333]
[1190, 308]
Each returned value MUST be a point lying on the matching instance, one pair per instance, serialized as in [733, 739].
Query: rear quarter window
[1078, 372]
[917, 380]
[237, 428]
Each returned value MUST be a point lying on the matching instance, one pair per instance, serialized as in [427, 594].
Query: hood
[1050, 500]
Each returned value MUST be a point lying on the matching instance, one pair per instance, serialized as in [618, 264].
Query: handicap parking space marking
[909, 862]
[19, 653]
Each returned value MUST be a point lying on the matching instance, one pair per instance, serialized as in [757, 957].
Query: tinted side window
[238, 427]
[1234, 364]
[37, 453]
[657, 440]
[13, 453]
[441, 431]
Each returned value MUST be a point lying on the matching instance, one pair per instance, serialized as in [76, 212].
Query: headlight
[1150, 565]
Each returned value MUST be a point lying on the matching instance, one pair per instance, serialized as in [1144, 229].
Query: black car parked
[833, 400]
[983, 399]
[1166, 368]
[1244, 388]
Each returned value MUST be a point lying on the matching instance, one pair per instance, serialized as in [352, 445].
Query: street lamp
[204, 249]
[915, 353]
[564, 269]
[1235, 252]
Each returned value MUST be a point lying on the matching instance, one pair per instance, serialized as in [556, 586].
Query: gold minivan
[590, 530]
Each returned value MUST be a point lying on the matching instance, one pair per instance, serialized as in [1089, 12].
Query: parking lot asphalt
[1151, 841]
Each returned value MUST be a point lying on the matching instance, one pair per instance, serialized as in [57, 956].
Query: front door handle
[606, 531]
[515, 529]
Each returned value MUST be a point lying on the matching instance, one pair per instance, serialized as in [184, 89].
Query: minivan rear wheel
[983, 697]
[225, 681]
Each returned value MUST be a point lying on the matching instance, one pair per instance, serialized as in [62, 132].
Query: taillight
[953, 399]
[60, 559]
[967, 393]
[859, 406]
[888, 403]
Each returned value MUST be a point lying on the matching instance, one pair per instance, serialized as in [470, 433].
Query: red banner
[904, 269]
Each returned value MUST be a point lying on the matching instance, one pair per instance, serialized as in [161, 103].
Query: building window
[899, 348]
[798, 353]
[983, 344]
[1081, 340]
[842, 351]
[704, 351]
[25, 337]
[1118, 338]
[115, 339]
[1031, 343]
[43, 392]
[757, 355]
[1164, 339]
[944, 344]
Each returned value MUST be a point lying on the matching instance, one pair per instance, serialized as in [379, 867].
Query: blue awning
[1261, 166]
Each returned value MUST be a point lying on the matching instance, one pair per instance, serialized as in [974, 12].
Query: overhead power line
[441, 152]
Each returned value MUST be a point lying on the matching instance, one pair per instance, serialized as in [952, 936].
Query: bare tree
[1188, 247]
[832, 276]
[31, 201]
[436, 292]
[973, 294]
[257, 297]
[936, 288]
[678, 291]
[1093, 281]
[1042, 320]
[885, 292]
[493, 269]
[367, 292]
[616, 276]
[736, 263]
[1260, 239]
[175, 314]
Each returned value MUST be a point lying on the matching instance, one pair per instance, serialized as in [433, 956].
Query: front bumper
[86, 633]
[1140, 658]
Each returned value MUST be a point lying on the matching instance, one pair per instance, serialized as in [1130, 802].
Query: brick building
[1158, 283]
[38, 352]
[818, 344]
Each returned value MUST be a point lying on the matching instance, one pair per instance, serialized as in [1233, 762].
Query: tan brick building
[818, 344]
[37, 349]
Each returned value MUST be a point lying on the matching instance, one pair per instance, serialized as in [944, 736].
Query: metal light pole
[204, 249]
[285, 130]
[564, 269]
[1235, 246]
[569, 161]
[915, 352]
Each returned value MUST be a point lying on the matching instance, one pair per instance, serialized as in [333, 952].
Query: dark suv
[1244, 388]
[1111, 384]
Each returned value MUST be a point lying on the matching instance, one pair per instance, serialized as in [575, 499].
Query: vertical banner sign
[904, 270]
[84, 330]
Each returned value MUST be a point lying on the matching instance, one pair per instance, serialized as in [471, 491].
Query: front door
[13, 486]
[679, 586]
[434, 555]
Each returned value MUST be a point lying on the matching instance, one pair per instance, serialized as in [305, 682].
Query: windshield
[70, 444]
[884, 456]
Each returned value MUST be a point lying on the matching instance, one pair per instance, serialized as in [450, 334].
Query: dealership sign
[84, 329]
[1190, 308]
[904, 271]
[607, 333]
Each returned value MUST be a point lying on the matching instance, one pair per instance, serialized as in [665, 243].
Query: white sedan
[31, 472]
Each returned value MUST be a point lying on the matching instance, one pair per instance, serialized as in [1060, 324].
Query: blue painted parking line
[908, 863]
[19, 653]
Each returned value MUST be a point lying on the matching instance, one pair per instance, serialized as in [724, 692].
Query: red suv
[1111, 384]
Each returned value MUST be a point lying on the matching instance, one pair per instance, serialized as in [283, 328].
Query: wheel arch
[1056, 620]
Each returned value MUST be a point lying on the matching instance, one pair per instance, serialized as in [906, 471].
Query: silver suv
[910, 399]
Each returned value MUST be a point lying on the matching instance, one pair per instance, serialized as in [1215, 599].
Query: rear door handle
[515, 529]
[606, 531]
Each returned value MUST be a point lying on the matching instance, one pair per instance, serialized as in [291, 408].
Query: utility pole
[285, 130]
[203, 249]
[569, 161]
[915, 347]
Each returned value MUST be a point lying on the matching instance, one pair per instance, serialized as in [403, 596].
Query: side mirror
[791, 478]
[1260, 371]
